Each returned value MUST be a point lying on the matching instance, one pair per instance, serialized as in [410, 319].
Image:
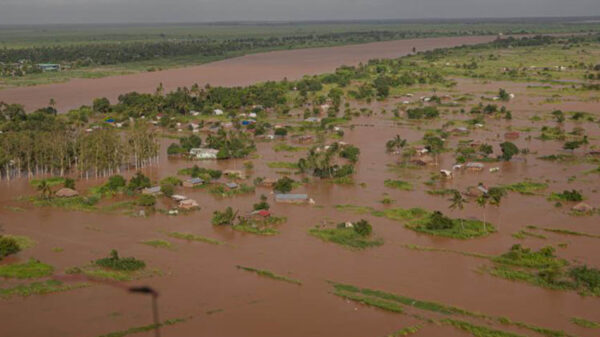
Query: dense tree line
[43, 143]
[115, 53]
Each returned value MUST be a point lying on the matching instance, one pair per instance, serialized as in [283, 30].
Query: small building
[291, 198]
[422, 160]
[582, 207]
[178, 197]
[234, 174]
[263, 213]
[49, 67]
[460, 130]
[303, 139]
[231, 186]
[66, 193]
[218, 112]
[203, 153]
[151, 190]
[474, 166]
[312, 120]
[188, 204]
[511, 135]
[268, 182]
[446, 173]
[193, 182]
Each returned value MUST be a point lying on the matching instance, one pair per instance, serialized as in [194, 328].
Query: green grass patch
[260, 227]
[398, 184]
[159, 244]
[443, 192]
[282, 165]
[270, 274]
[570, 232]
[445, 250]
[77, 203]
[432, 223]
[454, 228]
[526, 187]
[344, 290]
[53, 181]
[582, 322]
[346, 237]
[30, 269]
[225, 192]
[194, 237]
[522, 234]
[354, 209]
[39, 288]
[283, 147]
[99, 273]
[393, 302]
[23, 242]
[479, 330]
[409, 330]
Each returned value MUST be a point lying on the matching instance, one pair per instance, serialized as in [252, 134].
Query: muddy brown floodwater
[237, 71]
[200, 278]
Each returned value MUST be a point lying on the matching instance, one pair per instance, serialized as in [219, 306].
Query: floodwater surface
[201, 282]
[239, 71]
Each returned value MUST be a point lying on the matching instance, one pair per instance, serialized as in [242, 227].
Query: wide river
[237, 71]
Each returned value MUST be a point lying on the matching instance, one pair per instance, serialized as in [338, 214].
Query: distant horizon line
[340, 21]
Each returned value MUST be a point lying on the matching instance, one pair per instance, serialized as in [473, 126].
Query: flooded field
[199, 281]
[245, 70]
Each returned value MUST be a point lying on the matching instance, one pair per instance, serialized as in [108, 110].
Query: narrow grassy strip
[270, 274]
[391, 302]
[478, 330]
[398, 184]
[266, 231]
[423, 305]
[28, 270]
[282, 165]
[526, 187]
[194, 237]
[354, 208]
[409, 330]
[570, 232]
[582, 322]
[144, 328]
[535, 328]
[523, 233]
[287, 148]
[23, 242]
[158, 244]
[444, 250]
[39, 288]
[373, 302]
[347, 237]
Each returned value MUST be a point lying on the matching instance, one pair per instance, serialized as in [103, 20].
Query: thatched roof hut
[66, 193]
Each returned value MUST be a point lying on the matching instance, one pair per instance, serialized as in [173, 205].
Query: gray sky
[151, 11]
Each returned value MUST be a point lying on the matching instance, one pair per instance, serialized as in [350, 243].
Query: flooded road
[238, 71]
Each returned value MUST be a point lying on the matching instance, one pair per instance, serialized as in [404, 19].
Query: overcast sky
[154, 11]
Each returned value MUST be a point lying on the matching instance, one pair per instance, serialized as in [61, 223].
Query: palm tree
[482, 201]
[396, 143]
[457, 201]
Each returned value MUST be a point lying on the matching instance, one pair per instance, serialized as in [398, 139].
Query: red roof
[264, 213]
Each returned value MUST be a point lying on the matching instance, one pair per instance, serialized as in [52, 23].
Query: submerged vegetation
[352, 235]
[269, 274]
[402, 304]
[543, 268]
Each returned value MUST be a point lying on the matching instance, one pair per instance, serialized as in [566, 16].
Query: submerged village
[474, 168]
